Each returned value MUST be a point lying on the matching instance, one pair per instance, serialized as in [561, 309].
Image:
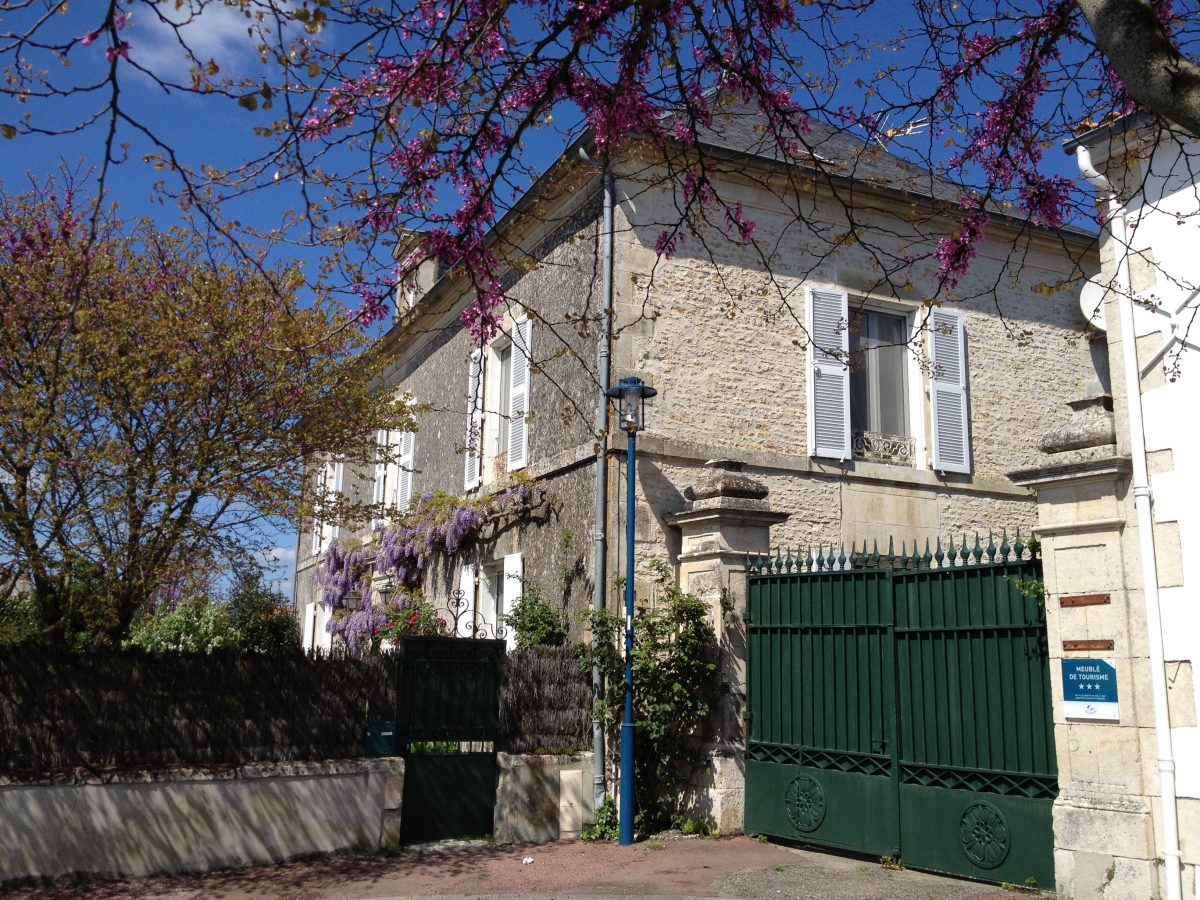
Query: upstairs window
[328, 480]
[393, 472]
[497, 406]
[860, 379]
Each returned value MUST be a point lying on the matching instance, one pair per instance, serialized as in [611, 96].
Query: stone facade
[722, 340]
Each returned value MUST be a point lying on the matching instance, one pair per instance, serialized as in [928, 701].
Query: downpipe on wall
[1172, 869]
[604, 375]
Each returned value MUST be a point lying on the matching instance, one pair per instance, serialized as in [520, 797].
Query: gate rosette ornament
[805, 802]
[984, 834]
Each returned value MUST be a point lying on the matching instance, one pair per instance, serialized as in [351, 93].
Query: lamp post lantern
[631, 394]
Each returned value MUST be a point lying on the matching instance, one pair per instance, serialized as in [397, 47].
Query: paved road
[667, 865]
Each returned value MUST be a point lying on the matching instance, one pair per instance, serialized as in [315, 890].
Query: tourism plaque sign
[1090, 690]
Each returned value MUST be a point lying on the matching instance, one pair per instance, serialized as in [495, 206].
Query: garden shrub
[675, 678]
[534, 622]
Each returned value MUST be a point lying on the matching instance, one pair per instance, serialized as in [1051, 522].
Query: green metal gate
[900, 706]
[447, 722]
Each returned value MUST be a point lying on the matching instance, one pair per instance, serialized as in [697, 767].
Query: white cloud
[214, 31]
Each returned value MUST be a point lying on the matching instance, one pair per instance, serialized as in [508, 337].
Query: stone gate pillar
[727, 517]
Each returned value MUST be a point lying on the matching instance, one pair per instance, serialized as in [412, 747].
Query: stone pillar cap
[726, 480]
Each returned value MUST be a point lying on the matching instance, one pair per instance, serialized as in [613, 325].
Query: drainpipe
[603, 370]
[1145, 522]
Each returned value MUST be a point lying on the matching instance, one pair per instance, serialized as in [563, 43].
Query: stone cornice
[1088, 464]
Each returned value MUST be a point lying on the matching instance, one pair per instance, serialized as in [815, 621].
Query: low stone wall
[542, 798]
[181, 820]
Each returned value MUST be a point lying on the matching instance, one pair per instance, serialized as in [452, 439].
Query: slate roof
[844, 152]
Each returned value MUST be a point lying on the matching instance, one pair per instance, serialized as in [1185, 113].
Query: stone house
[1118, 493]
[900, 419]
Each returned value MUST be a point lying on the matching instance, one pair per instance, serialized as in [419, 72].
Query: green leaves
[675, 689]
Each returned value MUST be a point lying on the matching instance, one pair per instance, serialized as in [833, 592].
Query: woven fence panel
[125, 710]
[545, 701]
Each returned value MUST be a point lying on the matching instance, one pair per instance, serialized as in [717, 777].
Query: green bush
[606, 827]
[261, 617]
[675, 679]
[534, 621]
[19, 620]
[196, 625]
[251, 616]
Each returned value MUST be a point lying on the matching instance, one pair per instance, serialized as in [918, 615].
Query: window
[328, 480]
[490, 593]
[860, 385]
[879, 418]
[393, 472]
[497, 403]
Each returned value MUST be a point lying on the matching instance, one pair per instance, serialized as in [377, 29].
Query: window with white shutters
[860, 366]
[948, 388]
[498, 383]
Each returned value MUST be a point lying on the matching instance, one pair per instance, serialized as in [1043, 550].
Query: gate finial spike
[926, 557]
[1019, 547]
[841, 558]
[939, 555]
[891, 557]
[788, 561]
[875, 552]
[991, 547]
[855, 559]
[1004, 548]
[977, 553]
[778, 562]
[966, 551]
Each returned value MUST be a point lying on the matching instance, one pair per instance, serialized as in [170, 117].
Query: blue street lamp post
[631, 394]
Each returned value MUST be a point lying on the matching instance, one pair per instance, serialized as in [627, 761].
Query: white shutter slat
[514, 570]
[339, 472]
[404, 475]
[828, 375]
[474, 419]
[380, 493]
[318, 508]
[466, 614]
[518, 433]
[948, 354]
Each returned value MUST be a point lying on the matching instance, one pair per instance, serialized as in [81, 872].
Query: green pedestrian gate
[447, 723]
[900, 706]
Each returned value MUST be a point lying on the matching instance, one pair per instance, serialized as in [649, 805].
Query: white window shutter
[828, 375]
[465, 614]
[404, 473]
[948, 354]
[379, 495]
[514, 590]
[518, 432]
[339, 472]
[474, 419]
[318, 508]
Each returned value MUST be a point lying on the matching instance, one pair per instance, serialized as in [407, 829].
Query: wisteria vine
[439, 525]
